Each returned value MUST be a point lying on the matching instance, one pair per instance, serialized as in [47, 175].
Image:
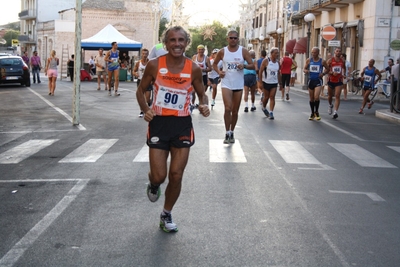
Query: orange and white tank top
[172, 92]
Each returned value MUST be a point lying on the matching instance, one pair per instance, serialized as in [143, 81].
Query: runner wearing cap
[213, 76]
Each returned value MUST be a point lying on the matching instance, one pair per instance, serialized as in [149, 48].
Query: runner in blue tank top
[314, 66]
[112, 58]
[368, 76]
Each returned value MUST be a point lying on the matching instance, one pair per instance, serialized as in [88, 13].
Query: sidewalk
[381, 113]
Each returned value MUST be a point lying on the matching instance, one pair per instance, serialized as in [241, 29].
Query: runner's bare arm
[218, 58]
[149, 76]
[249, 60]
[306, 66]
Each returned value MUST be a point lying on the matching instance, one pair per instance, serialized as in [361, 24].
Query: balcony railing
[26, 39]
[27, 14]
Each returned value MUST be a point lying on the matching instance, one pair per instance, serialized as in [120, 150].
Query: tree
[9, 35]
[163, 26]
[197, 36]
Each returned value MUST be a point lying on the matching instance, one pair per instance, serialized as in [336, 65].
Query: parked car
[14, 70]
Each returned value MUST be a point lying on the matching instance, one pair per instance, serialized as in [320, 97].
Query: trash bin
[122, 74]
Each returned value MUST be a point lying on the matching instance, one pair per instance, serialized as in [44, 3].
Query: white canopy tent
[106, 36]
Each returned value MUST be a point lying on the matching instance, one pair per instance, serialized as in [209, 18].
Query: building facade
[364, 28]
[136, 19]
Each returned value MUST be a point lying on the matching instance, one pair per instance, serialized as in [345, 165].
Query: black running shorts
[165, 132]
[312, 84]
[285, 80]
[269, 86]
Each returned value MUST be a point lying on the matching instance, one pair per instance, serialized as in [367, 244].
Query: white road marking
[90, 151]
[80, 126]
[373, 196]
[293, 152]
[343, 131]
[395, 148]
[143, 155]
[25, 150]
[13, 255]
[226, 153]
[322, 168]
[361, 156]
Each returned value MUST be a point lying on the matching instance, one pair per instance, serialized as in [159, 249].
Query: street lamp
[279, 31]
[261, 41]
[308, 18]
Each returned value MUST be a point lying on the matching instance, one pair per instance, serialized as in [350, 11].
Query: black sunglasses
[234, 38]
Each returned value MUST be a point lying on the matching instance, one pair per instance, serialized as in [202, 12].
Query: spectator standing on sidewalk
[36, 67]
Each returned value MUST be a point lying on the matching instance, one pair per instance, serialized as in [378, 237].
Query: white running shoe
[166, 223]
[330, 109]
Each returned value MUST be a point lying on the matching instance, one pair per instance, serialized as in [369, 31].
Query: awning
[290, 45]
[301, 46]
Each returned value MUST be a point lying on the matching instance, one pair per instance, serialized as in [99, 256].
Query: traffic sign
[395, 44]
[334, 43]
[328, 33]
[14, 42]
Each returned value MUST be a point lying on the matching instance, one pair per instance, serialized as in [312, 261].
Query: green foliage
[9, 35]
[218, 40]
[163, 27]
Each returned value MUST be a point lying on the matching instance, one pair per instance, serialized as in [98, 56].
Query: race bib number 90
[171, 98]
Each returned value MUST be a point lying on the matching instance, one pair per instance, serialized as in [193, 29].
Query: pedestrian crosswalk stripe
[361, 156]
[143, 155]
[293, 152]
[226, 153]
[25, 150]
[90, 151]
[395, 148]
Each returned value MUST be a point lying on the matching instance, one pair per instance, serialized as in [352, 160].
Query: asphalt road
[289, 192]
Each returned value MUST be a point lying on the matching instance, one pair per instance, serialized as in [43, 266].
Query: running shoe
[361, 111]
[335, 116]
[141, 114]
[330, 109]
[266, 112]
[253, 109]
[213, 102]
[271, 115]
[312, 116]
[370, 104]
[153, 192]
[246, 109]
[231, 139]
[166, 223]
[317, 116]
[116, 93]
[287, 97]
[109, 93]
[226, 141]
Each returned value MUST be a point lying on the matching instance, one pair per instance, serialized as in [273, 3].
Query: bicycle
[382, 87]
[356, 83]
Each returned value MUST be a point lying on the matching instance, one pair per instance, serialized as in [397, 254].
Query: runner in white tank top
[271, 68]
[232, 80]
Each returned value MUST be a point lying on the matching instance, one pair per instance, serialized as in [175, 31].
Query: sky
[206, 11]
[9, 11]
[202, 12]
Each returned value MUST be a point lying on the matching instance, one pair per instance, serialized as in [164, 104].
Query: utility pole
[76, 98]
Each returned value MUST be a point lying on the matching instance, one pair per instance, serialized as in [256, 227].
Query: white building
[364, 28]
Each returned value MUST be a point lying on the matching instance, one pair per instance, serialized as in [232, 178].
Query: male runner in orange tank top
[170, 129]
